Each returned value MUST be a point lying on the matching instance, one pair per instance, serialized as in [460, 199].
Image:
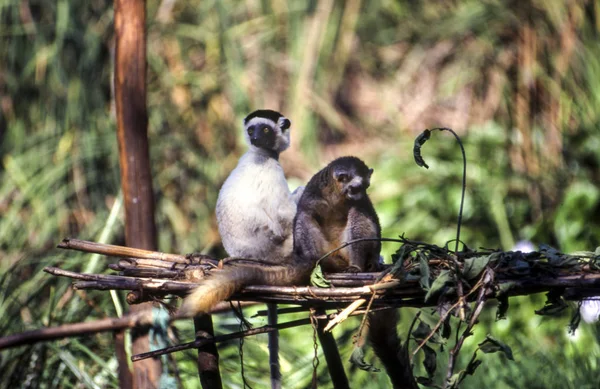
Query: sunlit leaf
[318, 279]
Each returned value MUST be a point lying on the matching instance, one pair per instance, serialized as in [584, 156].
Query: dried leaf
[428, 382]
[358, 359]
[492, 345]
[502, 306]
[553, 255]
[420, 141]
[430, 361]
[575, 320]
[554, 305]
[472, 366]
[422, 331]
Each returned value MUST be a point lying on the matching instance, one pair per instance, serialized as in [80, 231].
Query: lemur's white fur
[255, 209]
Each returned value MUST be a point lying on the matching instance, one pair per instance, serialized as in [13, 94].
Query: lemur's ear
[370, 172]
[284, 123]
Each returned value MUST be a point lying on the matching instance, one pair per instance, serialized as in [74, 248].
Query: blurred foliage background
[518, 80]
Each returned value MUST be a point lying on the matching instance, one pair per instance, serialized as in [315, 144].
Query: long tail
[224, 283]
[388, 348]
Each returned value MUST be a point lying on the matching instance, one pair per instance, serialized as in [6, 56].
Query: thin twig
[486, 280]
[442, 319]
[220, 338]
[77, 329]
[340, 317]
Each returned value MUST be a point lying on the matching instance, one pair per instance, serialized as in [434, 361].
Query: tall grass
[520, 81]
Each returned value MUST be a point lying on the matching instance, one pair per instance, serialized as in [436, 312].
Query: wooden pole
[332, 355]
[134, 157]
[208, 357]
[274, 347]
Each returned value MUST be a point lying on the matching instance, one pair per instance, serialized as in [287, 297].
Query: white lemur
[255, 211]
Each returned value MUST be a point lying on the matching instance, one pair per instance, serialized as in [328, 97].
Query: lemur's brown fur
[326, 218]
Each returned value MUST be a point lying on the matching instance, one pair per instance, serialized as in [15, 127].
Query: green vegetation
[519, 81]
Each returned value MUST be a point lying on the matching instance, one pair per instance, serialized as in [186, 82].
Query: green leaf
[492, 345]
[358, 359]
[424, 270]
[456, 379]
[505, 287]
[317, 278]
[444, 279]
[474, 266]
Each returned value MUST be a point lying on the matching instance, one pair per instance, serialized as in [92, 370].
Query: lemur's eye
[250, 131]
[266, 130]
[342, 177]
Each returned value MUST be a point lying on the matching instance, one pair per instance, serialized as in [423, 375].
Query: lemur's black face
[268, 130]
[353, 177]
[262, 135]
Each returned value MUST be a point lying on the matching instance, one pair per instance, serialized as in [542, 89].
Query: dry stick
[77, 329]
[235, 335]
[340, 317]
[106, 282]
[120, 251]
[486, 279]
[220, 338]
[444, 317]
[90, 327]
[286, 294]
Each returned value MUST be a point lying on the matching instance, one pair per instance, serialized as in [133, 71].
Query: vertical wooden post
[274, 348]
[208, 357]
[134, 155]
[332, 355]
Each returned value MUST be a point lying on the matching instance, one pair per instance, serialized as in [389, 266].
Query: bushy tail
[222, 284]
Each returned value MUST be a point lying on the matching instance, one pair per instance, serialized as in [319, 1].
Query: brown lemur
[334, 209]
